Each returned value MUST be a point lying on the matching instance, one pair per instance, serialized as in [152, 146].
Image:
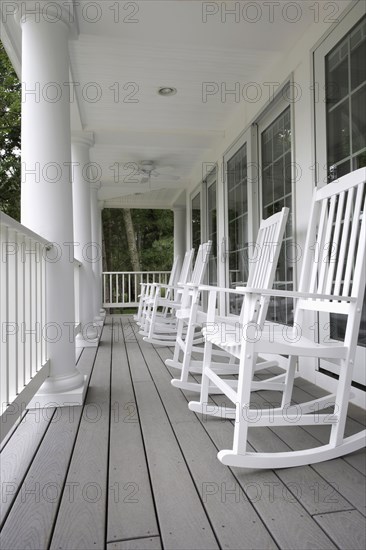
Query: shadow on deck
[135, 469]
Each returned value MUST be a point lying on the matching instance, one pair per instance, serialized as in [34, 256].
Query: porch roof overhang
[122, 53]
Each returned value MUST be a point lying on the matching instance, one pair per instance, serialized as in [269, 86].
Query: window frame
[338, 32]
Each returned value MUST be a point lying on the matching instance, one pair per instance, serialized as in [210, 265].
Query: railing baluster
[39, 306]
[10, 330]
[27, 315]
[3, 313]
[21, 314]
[123, 288]
[43, 319]
[104, 288]
[33, 309]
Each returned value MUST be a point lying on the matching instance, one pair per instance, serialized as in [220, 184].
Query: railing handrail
[9, 222]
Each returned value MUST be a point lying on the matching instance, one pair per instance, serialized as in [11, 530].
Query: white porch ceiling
[168, 45]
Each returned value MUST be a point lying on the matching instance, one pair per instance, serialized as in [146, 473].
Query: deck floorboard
[134, 469]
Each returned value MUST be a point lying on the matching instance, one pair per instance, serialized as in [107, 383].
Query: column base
[81, 342]
[61, 391]
[88, 337]
[98, 321]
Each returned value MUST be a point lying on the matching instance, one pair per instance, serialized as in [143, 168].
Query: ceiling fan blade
[168, 176]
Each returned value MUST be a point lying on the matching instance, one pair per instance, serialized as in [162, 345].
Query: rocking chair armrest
[168, 287]
[295, 294]
[188, 285]
[209, 288]
[282, 293]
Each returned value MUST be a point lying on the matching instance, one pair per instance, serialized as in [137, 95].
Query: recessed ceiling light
[167, 90]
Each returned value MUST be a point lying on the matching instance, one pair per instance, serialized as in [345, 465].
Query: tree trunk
[131, 240]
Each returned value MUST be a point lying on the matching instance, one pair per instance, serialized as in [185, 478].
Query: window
[212, 231]
[238, 216]
[345, 76]
[340, 130]
[196, 221]
[345, 85]
[276, 193]
[237, 200]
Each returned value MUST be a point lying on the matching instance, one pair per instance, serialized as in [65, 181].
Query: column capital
[178, 208]
[83, 138]
[47, 12]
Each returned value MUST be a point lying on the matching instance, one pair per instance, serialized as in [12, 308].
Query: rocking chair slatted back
[201, 263]
[186, 266]
[263, 261]
[174, 274]
[334, 258]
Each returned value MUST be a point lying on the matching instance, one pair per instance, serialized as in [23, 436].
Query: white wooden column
[180, 224]
[96, 225]
[85, 250]
[46, 204]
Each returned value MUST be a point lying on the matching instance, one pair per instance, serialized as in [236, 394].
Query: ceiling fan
[147, 169]
[142, 173]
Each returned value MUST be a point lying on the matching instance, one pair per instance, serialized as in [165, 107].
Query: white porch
[97, 134]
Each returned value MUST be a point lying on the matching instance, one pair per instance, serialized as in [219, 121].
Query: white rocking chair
[261, 275]
[163, 332]
[332, 282]
[165, 302]
[147, 288]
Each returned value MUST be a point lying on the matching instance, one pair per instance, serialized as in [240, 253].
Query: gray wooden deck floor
[135, 469]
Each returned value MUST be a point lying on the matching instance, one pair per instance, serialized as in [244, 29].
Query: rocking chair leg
[248, 361]
[200, 406]
[187, 354]
[289, 381]
[341, 402]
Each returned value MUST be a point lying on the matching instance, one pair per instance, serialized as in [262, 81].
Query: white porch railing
[122, 288]
[23, 277]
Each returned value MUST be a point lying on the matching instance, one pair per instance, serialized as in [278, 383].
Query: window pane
[212, 233]
[337, 74]
[276, 191]
[196, 222]
[359, 119]
[338, 133]
[358, 55]
[237, 221]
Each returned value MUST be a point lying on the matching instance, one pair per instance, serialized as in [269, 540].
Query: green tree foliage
[154, 236]
[10, 109]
